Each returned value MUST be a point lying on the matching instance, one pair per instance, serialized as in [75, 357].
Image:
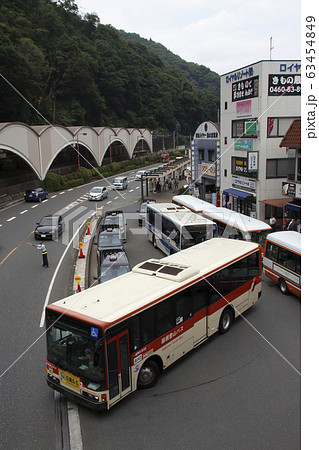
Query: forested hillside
[199, 76]
[73, 70]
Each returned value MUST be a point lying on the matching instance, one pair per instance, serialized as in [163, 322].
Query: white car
[139, 174]
[98, 193]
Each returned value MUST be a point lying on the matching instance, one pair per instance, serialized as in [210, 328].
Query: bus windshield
[81, 355]
[194, 234]
[257, 236]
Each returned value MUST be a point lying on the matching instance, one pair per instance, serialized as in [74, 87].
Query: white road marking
[44, 201]
[137, 187]
[115, 198]
[69, 190]
[53, 196]
[23, 212]
[34, 206]
[47, 298]
[11, 218]
[131, 190]
[110, 201]
[63, 192]
[74, 426]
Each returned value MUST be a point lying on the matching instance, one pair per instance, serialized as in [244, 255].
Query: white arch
[39, 145]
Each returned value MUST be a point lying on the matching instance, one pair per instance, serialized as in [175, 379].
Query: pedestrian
[176, 183]
[44, 252]
[272, 222]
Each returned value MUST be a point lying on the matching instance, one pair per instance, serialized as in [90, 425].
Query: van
[139, 174]
[120, 183]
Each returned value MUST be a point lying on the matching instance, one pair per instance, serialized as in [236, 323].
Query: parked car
[108, 240]
[98, 193]
[113, 265]
[35, 195]
[120, 183]
[139, 174]
[115, 219]
[142, 211]
[49, 227]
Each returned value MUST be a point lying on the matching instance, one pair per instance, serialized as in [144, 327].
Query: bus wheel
[283, 286]
[148, 375]
[226, 320]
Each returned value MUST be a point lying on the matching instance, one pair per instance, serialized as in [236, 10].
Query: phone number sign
[284, 84]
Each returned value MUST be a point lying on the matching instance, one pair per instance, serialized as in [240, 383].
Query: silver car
[98, 193]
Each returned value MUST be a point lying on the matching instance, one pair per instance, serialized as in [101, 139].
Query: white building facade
[258, 104]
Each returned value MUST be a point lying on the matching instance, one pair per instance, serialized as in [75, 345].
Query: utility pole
[270, 48]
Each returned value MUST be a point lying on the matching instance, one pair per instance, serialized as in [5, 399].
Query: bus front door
[118, 372]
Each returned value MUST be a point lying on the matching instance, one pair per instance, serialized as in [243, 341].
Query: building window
[278, 126]
[239, 166]
[201, 153]
[225, 140]
[211, 154]
[280, 168]
[238, 128]
[225, 172]
[226, 105]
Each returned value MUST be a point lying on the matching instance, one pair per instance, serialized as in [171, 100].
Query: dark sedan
[49, 227]
[35, 195]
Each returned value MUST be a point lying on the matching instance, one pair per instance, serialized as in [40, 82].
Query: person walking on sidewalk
[44, 252]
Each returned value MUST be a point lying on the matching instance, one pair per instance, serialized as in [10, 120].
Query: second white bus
[172, 228]
[230, 224]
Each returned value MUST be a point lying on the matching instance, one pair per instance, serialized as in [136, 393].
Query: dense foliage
[59, 67]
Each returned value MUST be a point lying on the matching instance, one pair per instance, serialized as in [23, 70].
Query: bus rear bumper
[99, 407]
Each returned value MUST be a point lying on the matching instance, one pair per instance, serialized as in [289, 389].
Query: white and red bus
[282, 260]
[105, 342]
[172, 228]
[230, 224]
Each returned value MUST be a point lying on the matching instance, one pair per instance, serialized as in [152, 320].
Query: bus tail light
[104, 398]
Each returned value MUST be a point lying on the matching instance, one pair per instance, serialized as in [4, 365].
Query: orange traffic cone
[88, 225]
[81, 255]
[78, 279]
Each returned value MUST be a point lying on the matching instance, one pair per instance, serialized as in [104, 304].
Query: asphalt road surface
[236, 391]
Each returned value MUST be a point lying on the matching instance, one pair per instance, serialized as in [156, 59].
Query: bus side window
[253, 265]
[287, 259]
[298, 264]
[239, 273]
[182, 306]
[198, 294]
[272, 251]
[135, 334]
[220, 284]
[147, 326]
[163, 317]
[220, 227]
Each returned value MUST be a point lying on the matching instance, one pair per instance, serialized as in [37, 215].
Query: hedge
[54, 182]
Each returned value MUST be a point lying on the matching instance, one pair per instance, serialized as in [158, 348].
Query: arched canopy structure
[39, 145]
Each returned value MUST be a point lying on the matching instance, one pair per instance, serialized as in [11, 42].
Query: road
[240, 390]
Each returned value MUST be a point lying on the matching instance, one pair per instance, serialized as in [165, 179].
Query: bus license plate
[70, 380]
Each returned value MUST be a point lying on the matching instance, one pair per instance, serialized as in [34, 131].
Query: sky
[223, 35]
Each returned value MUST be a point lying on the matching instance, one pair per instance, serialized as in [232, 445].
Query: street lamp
[77, 147]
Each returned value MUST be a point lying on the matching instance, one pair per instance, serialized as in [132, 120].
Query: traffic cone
[78, 279]
[81, 255]
[88, 230]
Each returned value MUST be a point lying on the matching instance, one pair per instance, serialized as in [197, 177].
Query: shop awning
[237, 193]
[278, 202]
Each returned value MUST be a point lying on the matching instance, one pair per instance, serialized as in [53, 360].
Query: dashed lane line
[11, 218]
[23, 212]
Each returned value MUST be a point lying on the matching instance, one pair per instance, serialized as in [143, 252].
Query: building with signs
[258, 104]
[205, 160]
